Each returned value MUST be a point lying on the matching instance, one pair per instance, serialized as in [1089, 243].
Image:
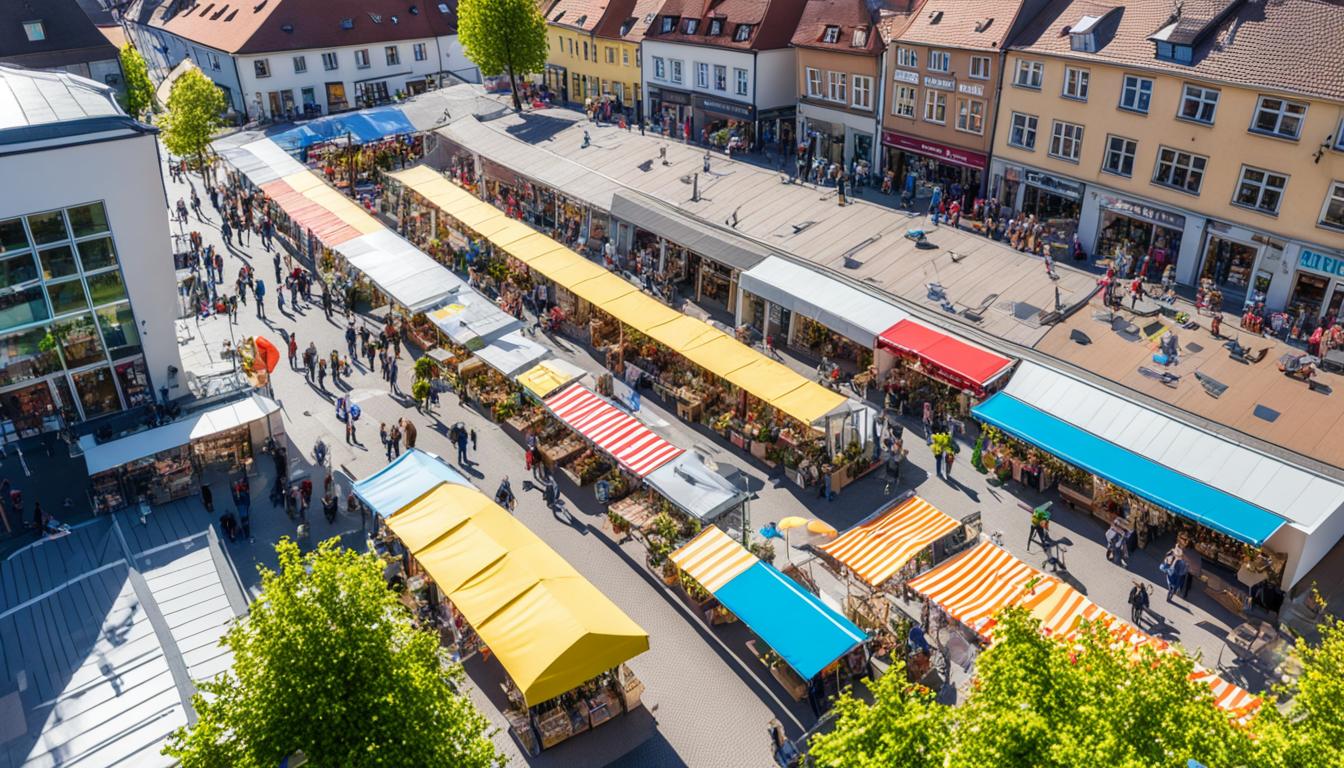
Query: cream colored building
[594, 49]
[1212, 141]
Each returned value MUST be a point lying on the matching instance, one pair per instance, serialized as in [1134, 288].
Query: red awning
[616, 433]
[944, 357]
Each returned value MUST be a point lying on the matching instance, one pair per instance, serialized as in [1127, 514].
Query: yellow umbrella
[791, 522]
[823, 528]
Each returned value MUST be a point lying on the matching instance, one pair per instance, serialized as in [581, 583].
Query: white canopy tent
[405, 273]
[109, 455]
[695, 488]
[842, 308]
[512, 353]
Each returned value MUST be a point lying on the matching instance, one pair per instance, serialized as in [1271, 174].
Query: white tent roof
[100, 458]
[402, 271]
[262, 161]
[512, 353]
[842, 308]
[470, 316]
[1301, 497]
[688, 483]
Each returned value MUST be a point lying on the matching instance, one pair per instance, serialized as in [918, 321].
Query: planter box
[784, 674]
[758, 449]
[738, 439]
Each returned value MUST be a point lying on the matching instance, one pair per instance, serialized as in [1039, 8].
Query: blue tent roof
[1142, 476]
[412, 475]
[363, 126]
[805, 632]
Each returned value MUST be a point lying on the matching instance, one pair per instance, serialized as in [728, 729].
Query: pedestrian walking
[350, 339]
[462, 446]
[279, 278]
[305, 495]
[384, 439]
[394, 440]
[392, 376]
[1138, 603]
[530, 452]
[260, 290]
[408, 432]
[207, 498]
[1175, 569]
[335, 358]
[293, 351]
[322, 374]
[473, 440]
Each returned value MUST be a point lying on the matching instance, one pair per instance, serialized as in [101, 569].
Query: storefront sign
[1141, 211]
[726, 108]
[953, 155]
[1061, 187]
[1320, 263]
[973, 89]
[669, 97]
[906, 76]
[941, 83]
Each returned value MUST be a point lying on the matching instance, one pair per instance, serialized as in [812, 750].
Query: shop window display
[97, 392]
[23, 412]
[134, 380]
[1228, 263]
[1307, 300]
[120, 334]
[28, 354]
[81, 344]
[1135, 238]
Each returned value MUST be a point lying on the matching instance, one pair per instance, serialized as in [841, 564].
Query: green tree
[1310, 732]
[903, 727]
[503, 36]
[139, 89]
[195, 111]
[327, 662]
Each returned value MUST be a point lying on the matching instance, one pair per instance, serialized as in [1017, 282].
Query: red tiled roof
[847, 17]
[260, 26]
[1295, 46]
[633, 18]
[979, 25]
[892, 24]
[772, 22]
[583, 15]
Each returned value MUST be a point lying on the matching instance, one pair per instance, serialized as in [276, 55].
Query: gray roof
[39, 104]
[650, 215]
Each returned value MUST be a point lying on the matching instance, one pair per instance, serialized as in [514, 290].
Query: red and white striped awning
[615, 432]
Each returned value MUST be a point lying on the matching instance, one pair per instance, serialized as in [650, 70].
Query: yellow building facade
[1239, 185]
[594, 50]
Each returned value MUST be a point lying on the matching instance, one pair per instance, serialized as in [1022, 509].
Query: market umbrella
[270, 356]
[822, 528]
[788, 524]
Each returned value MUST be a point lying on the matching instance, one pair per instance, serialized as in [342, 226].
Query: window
[935, 107]
[1332, 213]
[1181, 54]
[1179, 170]
[625, 57]
[309, 96]
[1199, 104]
[393, 55]
[262, 67]
[362, 58]
[835, 86]
[35, 31]
[676, 70]
[300, 65]
[904, 103]
[88, 220]
[813, 82]
[1119, 156]
[863, 92]
[329, 61]
[668, 23]
[831, 34]
[1259, 189]
[1136, 94]
[971, 115]
[859, 38]
[1066, 141]
[1023, 133]
[1279, 117]
[585, 50]
[1075, 83]
[740, 80]
[659, 68]
[980, 67]
[940, 61]
[743, 33]
[214, 61]
[1029, 74]
[692, 25]
[418, 52]
[720, 77]
[716, 26]
[1339, 136]
[701, 75]
[907, 57]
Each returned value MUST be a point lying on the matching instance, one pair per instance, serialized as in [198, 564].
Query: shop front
[726, 124]
[1317, 288]
[1053, 202]
[933, 163]
[777, 127]
[1145, 237]
[1233, 261]
[556, 79]
[670, 112]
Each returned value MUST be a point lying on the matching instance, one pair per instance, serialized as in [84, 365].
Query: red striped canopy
[613, 431]
[877, 549]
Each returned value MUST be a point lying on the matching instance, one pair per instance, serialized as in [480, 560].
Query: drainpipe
[994, 129]
[756, 99]
[881, 104]
[238, 77]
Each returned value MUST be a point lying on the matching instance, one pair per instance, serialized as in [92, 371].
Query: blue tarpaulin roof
[805, 632]
[412, 475]
[363, 126]
[1137, 474]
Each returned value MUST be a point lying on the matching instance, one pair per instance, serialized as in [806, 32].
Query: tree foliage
[503, 36]
[327, 662]
[1038, 703]
[195, 111]
[139, 88]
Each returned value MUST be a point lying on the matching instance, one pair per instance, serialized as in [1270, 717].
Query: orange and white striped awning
[980, 582]
[713, 559]
[876, 550]
[1228, 696]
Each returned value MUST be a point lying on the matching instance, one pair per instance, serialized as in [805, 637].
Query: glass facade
[69, 342]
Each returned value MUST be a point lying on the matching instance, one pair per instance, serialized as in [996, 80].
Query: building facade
[57, 34]
[723, 73]
[943, 74]
[595, 50]
[89, 296]
[1200, 141]
[296, 58]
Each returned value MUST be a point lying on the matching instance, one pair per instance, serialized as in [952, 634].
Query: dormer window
[692, 25]
[1085, 42]
[831, 35]
[716, 26]
[34, 31]
[743, 33]
[1181, 54]
[669, 24]
[860, 37]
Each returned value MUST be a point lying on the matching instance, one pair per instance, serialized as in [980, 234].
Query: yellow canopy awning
[623, 301]
[550, 628]
[547, 376]
[510, 231]
[479, 214]
[528, 249]
[685, 332]
[721, 356]
[809, 402]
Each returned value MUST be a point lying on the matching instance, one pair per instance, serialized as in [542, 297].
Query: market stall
[493, 587]
[635, 447]
[697, 490]
[879, 547]
[549, 376]
[814, 650]
[166, 463]
[924, 364]
[402, 272]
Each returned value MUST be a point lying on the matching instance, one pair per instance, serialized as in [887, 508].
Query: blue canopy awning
[362, 127]
[412, 475]
[1137, 474]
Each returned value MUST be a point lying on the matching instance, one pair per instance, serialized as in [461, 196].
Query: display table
[556, 454]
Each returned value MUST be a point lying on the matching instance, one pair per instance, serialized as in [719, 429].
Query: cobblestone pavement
[707, 699]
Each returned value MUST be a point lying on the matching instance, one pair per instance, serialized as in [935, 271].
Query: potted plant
[619, 525]
[765, 550]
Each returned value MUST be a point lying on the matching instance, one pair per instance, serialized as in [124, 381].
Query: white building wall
[776, 78]
[690, 55]
[853, 123]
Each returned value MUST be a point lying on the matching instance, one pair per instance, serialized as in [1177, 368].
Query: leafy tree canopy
[327, 662]
[195, 109]
[139, 88]
[503, 36]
